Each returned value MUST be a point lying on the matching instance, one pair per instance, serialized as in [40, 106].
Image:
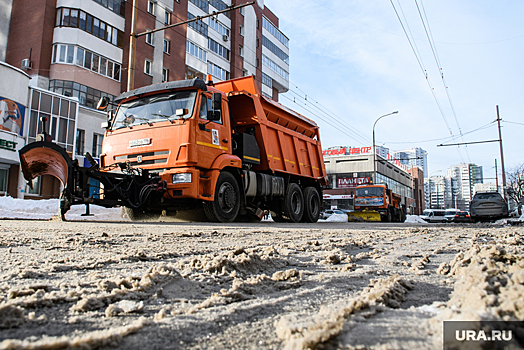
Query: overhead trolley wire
[414, 48]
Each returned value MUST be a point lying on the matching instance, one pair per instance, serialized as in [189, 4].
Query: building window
[201, 4]
[240, 50]
[70, 54]
[167, 18]
[274, 67]
[117, 6]
[87, 96]
[275, 32]
[4, 176]
[149, 37]
[147, 66]
[192, 73]
[60, 113]
[167, 45]
[275, 49]
[219, 27]
[74, 18]
[97, 144]
[218, 49]
[266, 80]
[165, 75]
[36, 187]
[217, 71]
[196, 51]
[151, 7]
[241, 30]
[198, 26]
[80, 141]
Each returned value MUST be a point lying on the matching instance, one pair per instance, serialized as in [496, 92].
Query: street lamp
[374, 149]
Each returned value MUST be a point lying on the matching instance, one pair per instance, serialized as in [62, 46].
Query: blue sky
[352, 59]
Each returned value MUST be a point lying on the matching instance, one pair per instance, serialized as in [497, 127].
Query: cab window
[205, 106]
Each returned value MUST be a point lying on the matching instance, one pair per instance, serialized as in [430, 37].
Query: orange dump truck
[376, 203]
[188, 146]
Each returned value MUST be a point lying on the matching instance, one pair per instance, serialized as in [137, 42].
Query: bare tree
[515, 184]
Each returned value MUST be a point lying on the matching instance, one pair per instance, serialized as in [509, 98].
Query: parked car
[462, 216]
[327, 213]
[434, 215]
[450, 214]
[488, 206]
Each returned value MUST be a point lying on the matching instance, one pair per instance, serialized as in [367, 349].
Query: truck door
[212, 137]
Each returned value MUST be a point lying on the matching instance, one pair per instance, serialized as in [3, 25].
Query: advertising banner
[350, 182]
[11, 116]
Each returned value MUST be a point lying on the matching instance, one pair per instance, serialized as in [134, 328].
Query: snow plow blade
[364, 215]
[45, 158]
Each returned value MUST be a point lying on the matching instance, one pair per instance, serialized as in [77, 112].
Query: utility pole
[496, 175]
[501, 157]
[132, 48]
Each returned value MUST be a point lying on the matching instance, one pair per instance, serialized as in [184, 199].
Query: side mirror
[213, 115]
[181, 112]
[217, 101]
[102, 103]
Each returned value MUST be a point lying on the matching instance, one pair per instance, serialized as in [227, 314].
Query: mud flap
[364, 215]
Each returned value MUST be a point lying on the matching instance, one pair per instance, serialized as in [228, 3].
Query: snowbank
[414, 219]
[336, 218]
[45, 209]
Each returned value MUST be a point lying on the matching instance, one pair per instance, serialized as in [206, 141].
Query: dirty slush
[100, 285]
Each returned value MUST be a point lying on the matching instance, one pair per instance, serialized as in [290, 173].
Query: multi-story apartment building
[79, 49]
[413, 157]
[438, 192]
[464, 177]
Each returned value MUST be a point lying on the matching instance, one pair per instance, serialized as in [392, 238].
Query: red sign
[350, 182]
[346, 151]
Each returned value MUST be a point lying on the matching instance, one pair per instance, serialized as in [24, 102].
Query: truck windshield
[154, 109]
[369, 192]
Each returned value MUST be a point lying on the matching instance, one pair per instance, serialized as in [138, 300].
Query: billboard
[350, 182]
[11, 116]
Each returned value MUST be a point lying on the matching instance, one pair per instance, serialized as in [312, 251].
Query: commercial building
[78, 51]
[349, 167]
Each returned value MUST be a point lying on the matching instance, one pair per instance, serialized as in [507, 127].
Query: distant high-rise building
[415, 156]
[464, 177]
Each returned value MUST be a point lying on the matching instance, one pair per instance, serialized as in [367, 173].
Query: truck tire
[226, 205]
[294, 203]
[311, 205]
[388, 215]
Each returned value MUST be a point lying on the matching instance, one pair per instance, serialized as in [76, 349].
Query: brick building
[79, 49]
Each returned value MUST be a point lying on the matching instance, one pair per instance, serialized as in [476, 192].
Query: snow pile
[45, 209]
[414, 219]
[337, 218]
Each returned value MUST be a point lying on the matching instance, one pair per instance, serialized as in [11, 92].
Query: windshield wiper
[164, 116]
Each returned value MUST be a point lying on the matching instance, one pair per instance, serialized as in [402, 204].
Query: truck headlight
[182, 178]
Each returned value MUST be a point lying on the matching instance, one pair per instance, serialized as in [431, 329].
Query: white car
[434, 215]
[450, 214]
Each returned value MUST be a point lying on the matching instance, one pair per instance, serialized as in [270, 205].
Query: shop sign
[8, 145]
[11, 116]
[350, 182]
[346, 151]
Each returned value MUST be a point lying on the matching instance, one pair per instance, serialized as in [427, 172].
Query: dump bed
[289, 142]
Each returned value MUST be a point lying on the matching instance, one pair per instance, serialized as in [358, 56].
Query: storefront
[349, 167]
[13, 107]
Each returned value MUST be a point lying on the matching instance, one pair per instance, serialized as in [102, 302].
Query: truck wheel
[226, 205]
[388, 215]
[294, 203]
[311, 205]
